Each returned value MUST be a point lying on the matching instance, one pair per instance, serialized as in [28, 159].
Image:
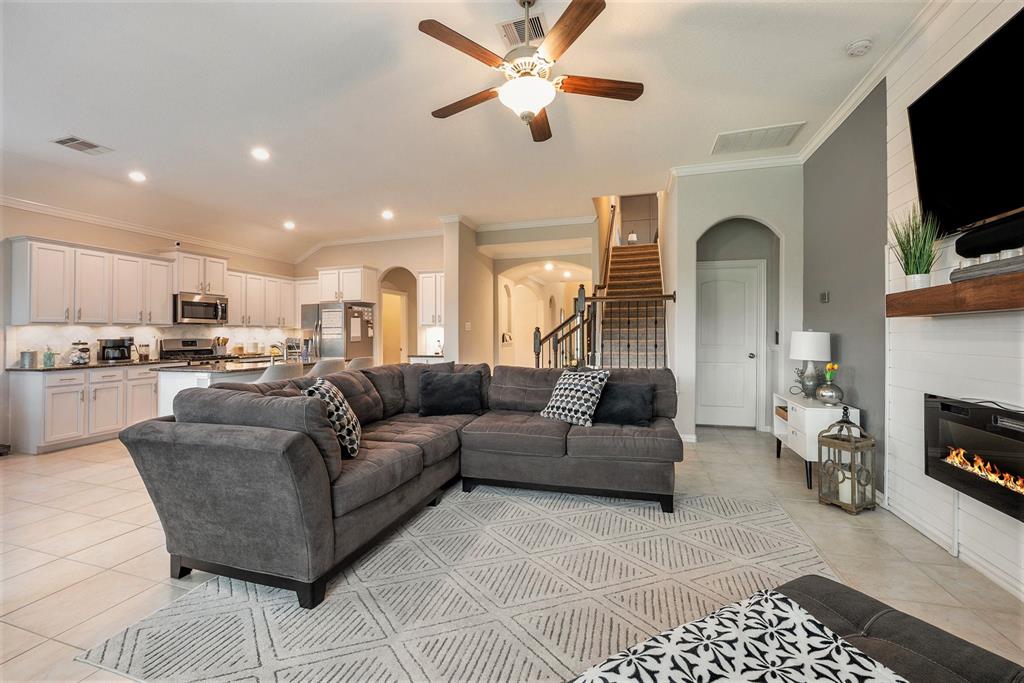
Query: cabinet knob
[79, 313]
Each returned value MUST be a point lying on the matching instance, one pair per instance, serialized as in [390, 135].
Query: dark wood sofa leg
[666, 503]
[312, 594]
[468, 484]
[178, 571]
[435, 502]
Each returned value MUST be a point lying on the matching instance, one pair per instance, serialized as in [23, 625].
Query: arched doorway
[737, 293]
[398, 329]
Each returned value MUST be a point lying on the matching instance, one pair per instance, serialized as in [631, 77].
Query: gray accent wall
[844, 255]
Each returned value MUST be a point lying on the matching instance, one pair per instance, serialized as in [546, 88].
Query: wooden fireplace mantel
[981, 295]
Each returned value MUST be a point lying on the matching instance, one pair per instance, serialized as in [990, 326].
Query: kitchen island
[171, 380]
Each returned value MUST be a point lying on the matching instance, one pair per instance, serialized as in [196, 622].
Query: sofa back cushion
[482, 369]
[522, 389]
[389, 381]
[664, 381]
[366, 403]
[252, 409]
[412, 374]
[450, 393]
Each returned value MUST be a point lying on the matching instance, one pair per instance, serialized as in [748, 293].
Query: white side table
[797, 421]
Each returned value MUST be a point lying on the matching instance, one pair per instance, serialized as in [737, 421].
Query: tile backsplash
[60, 337]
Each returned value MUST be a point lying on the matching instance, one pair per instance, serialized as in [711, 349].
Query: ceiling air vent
[513, 33]
[80, 145]
[752, 139]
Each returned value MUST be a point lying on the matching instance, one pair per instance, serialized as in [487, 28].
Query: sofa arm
[252, 498]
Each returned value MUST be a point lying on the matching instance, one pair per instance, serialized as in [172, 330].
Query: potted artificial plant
[915, 245]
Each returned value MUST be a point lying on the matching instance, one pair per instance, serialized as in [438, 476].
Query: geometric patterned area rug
[494, 585]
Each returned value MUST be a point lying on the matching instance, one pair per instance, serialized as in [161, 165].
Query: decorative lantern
[846, 457]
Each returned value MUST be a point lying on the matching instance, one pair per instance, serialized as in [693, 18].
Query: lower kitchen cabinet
[58, 409]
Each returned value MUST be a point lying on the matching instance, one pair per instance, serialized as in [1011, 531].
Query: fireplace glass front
[978, 449]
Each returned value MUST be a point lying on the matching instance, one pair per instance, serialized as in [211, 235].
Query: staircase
[633, 332]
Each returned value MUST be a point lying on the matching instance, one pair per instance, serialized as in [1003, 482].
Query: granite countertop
[226, 367]
[92, 366]
[119, 364]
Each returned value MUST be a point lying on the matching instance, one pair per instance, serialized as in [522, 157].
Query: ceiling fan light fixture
[526, 95]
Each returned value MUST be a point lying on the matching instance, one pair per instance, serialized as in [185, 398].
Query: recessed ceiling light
[289, 225]
[567, 274]
[387, 214]
[260, 153]
[549, 266]
[137, 176]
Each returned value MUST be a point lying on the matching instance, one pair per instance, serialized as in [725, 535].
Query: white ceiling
[341, 94]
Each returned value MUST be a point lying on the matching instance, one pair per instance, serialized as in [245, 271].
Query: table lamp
[810, 346]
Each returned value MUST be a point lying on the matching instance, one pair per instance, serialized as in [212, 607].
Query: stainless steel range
[190, 349]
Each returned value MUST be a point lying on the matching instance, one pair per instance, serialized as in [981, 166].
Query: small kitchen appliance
[113, 350]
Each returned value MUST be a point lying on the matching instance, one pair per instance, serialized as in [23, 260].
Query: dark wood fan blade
[540, 127]
[601, 87]
[465, 103]
[436, 29]
[573, 22]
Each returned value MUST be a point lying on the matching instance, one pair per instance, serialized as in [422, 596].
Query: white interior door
[729, 321]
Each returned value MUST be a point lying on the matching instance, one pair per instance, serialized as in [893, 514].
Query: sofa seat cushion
[659, 442]
[378, 469]
[514, 432]
[454, 421]
[437, 441]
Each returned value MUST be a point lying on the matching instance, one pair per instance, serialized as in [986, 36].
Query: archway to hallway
[736, 335]
[398, 305]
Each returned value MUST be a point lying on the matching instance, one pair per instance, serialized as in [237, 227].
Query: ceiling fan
[528, 88]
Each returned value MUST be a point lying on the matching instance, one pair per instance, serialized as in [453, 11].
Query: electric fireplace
[976, 448]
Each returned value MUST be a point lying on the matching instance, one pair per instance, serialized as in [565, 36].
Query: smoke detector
[859, 48]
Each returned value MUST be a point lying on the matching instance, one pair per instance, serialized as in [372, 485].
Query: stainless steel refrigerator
[337, 330]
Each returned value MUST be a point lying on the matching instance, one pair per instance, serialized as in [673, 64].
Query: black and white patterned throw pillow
[340, 414]
[575, 397]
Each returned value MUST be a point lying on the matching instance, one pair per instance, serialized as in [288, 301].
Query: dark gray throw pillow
[450, 394]
[624, 403]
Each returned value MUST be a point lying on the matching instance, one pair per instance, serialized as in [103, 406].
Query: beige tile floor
[82, 556]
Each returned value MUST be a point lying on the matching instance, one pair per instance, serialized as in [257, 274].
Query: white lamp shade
[810, 346]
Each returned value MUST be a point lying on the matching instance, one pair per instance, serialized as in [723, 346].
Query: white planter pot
[919, 281]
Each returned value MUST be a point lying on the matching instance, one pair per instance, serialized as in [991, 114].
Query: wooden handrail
[650, 297]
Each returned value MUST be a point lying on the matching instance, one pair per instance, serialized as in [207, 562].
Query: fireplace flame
[981, 467]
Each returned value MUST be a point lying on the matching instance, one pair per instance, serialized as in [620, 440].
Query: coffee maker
[112, 350]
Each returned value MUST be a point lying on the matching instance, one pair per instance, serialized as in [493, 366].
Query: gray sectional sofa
[249, 479]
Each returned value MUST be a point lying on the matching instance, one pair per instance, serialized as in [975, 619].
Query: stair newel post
[536, 347]
[554, 351]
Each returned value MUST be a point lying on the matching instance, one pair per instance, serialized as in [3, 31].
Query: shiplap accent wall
[971, 356]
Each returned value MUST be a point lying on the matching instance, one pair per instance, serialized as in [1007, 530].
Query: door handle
[750, 355]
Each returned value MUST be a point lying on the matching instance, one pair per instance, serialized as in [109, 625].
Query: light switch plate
[469, 326]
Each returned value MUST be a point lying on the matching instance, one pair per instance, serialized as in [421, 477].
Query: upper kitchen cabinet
[234, 284]
[42, 282]
[431, 298]
[197, 274]
[272, 303]
[289, 309]
[92, 286]
[255, 301]
[141, 291]
[348, 284]
[158, 282]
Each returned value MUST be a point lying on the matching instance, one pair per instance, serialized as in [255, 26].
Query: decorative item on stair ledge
[828, 393]
[915, 246]
[846, 457]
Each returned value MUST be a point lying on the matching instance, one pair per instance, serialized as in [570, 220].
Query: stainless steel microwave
[200, 308]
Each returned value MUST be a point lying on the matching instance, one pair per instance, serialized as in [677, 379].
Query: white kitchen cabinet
[42, 282]
[106, 407]
[140, 399]
[197, 274]
[92, 286]
[255, 300]
[63, 413]
[128, 294]
[348, 284]
[289, 307]
[234, 286]
[306, 292]
[431, 299]
[272, 302]
[158, 284]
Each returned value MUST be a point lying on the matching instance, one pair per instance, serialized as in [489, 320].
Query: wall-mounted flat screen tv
[967, 133]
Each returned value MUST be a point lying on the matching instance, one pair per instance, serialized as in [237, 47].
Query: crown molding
[117, 224]
[457, 218]
[539, 223]
[874, 76]
[366, 240]
[737, 165]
